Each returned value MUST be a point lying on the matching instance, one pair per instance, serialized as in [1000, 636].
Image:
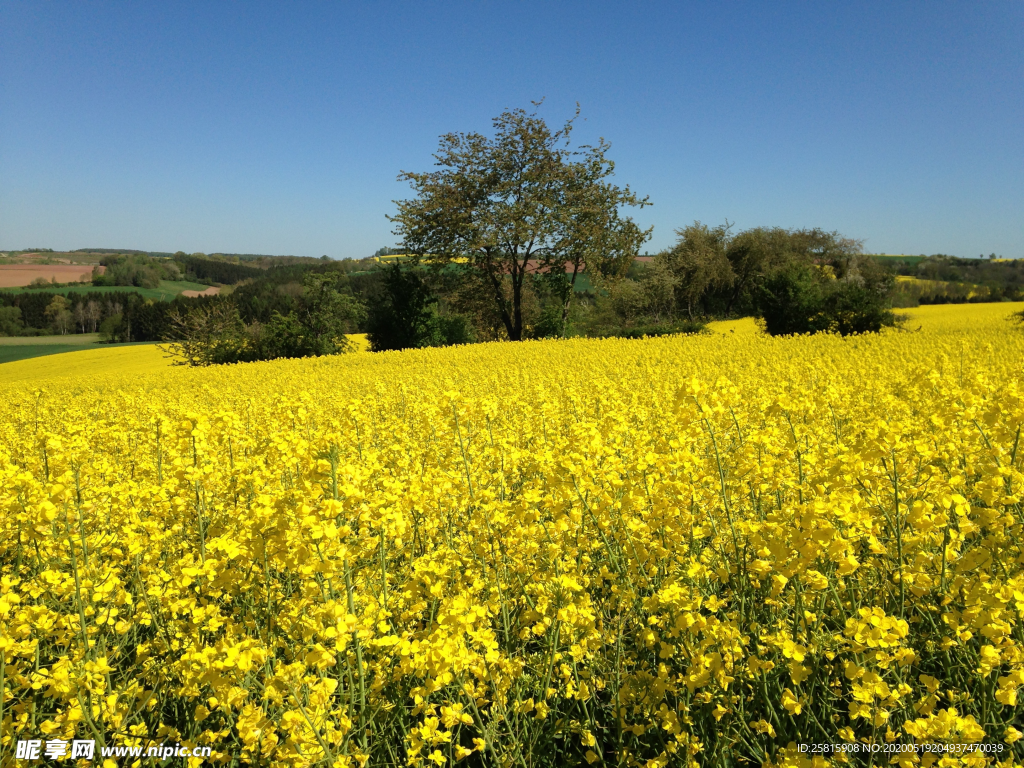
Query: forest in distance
[514, 236]
[649, 298]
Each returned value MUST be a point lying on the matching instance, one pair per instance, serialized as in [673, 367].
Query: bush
[214, 333]
[208, 335]
[10, 321]
[803, 298]
[287, 336]
[405, 316]
[448, 330]
[792, 301]
[549, 324]
[656, 329]
[400, 317]
[113, 329]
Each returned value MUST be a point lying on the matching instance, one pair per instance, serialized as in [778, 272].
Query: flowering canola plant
[675, 551]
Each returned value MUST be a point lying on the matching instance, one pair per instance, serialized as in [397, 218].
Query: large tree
[521, 203]
[699, 263]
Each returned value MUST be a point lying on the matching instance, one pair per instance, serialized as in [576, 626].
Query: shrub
[655, 329]
[10, 321]
[214, 333]
[448, 330]
[113, 329]
[399, 318]
[804, 298]
[549, 324]
[405, 316]
[208, 335]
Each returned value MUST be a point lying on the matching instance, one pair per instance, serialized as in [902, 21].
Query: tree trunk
[568, 295]
[499, 297]
[734, 296]
[517, 309]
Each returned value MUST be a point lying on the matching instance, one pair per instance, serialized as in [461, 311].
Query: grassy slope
[168, 289]
[12, 352]
[14, 348]
[71, 339]
[88, 357]
[131, 359]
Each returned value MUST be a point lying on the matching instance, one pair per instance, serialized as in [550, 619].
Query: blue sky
[281, 127]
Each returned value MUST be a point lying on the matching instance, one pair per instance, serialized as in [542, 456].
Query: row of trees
[951, 269]
[61, 317]
[215, 271]
[215, 331]
[520, 235]
[796, 281]
[525, 213]
[497, 240]
[34, 314]
[136, 270]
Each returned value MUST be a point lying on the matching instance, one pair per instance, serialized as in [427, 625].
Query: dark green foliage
[214, 332]
[807, 298]
[717, 273]
[148, 319]
[965, 293]
[214, 271]
[400, 316]
[140, 319]
[135, 270]
[791, 301]
[122, 251]
[115, 329]
[326, 313]
[550, 324]
[283, 336]
[960, 281]
[448, 330]
[660, 329]
[210, 335]
[278, 290]
[10, 321]
[403, 315]
[955, 270]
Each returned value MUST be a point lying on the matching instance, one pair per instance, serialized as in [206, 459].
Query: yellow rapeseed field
[677, 551]
[85, 364]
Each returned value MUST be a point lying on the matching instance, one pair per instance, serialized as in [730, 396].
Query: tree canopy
[521, 203]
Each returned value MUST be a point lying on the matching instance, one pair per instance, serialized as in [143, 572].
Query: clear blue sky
[281, 127]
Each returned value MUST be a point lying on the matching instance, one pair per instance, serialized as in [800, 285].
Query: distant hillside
[124, 251]
[166, 254]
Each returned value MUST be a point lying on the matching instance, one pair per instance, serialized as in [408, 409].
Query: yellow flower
[790, 702]
[309, 554]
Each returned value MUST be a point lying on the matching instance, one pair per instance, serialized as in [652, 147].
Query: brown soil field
[20, 275]
[211, 291]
